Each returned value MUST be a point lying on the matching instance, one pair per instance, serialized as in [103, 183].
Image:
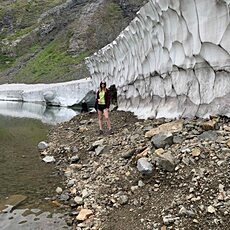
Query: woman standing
[103, 103]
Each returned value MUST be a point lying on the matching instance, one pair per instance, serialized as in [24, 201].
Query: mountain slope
[47, 41]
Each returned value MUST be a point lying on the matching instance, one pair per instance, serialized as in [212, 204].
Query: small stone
[58, 190]
[166, 161]
[71, 182]
[144, 166]
[169, 219]
[48, 159]
[211, 209]
[43, 145]
[85, 193]
[78, 200]
[196, 152]
[74, 159]
[64, 197]
[159, 151]
[134, 188]
[98, 143]
[123, 199]
[141, 183]
[209, 125]
[99, 150]
[73, 191]
[128, 154]
[185, 212]
[84, 214]
[161, 140]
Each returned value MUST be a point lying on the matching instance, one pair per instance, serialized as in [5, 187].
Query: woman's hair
[102, 82]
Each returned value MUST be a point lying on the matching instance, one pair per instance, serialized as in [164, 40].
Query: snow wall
[173, 60]
[58, 94]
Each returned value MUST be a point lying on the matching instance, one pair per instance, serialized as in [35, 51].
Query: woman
[103, 103]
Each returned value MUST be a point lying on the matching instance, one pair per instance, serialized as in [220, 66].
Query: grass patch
[51, 64]
[25, 13]
[20, 32]
[6, 62]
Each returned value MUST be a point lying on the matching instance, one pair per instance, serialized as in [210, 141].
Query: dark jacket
[107, 99]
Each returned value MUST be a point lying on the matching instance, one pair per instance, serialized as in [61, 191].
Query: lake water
[21, 170]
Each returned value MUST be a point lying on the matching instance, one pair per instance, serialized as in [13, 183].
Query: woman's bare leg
[106, 114]
[100, 119]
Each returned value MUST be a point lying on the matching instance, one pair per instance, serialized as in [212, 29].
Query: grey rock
[48, 159]
[208, 135]
[128, 154]
[177, 140]
[123, 199]
[78, 200]
[169, 219]
[64, 197]
[162, 139]
[71, 182]
[99, 150]
[85, 193]
[166, 161]
[74, 149]
[58, 190]
[43, 145]
[46, 28]
[97, 143]
[144, 166]
[74, 159]
[184, 212]
[141, 183]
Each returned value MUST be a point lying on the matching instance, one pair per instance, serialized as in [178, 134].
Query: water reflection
[19, 220]
[48, 115]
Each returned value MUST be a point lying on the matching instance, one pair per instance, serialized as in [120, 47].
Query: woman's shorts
[101, 107]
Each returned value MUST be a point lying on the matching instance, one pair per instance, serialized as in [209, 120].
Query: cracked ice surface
[172, 60]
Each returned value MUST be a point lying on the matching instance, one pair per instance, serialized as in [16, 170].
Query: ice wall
[172, 60]
[60, 94]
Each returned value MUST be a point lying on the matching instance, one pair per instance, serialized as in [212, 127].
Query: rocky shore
[150, 174]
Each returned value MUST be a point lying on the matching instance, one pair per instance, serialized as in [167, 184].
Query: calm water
[21, 170]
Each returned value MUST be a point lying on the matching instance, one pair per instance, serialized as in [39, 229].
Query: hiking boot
[110, 132]
[101, 132]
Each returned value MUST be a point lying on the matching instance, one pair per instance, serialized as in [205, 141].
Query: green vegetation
[23, 15]
[52, 64]
[42, 55]
[6, 61]
[19, 33]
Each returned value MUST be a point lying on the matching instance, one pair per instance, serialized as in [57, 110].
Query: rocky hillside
[47, 41]
[153, 174]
